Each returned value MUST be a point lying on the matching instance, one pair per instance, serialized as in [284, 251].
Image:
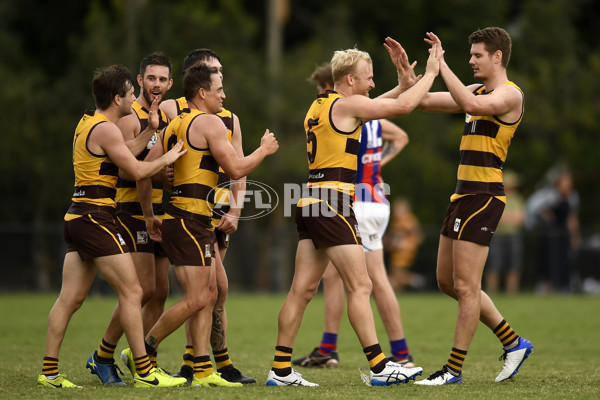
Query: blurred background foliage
[268, 48]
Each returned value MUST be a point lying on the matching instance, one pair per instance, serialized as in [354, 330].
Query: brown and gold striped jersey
[483, 151]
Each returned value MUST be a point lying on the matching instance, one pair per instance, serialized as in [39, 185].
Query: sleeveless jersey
[195, 174]
[222, 189]
[127, 195]
[483, 151]
[95, 175]
[331, 153]
[368, 178]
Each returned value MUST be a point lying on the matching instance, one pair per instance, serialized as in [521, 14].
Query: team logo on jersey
[457, 224]
[142, 237]
[121, 241]
[207, 250]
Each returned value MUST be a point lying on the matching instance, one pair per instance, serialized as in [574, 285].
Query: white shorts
[372, 221]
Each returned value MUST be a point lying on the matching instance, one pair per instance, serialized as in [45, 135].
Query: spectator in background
[551, 212]
[402, 243]
[506, 250]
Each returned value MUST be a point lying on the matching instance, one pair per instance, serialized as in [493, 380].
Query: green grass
[564, 365]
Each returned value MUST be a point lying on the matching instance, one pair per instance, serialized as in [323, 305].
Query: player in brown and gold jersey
[493, 113]
[93, 239]
[326, 224]
[226, 215]
[140, 133]
[187, 227]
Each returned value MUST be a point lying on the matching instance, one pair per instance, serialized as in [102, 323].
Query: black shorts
[326, 227]
[136, 235]
[93, 234]
[188, 242]
[473, 218]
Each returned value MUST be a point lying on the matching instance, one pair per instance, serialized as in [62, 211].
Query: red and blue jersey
[369, 185]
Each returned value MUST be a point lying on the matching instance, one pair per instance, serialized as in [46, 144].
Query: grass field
[564, 330]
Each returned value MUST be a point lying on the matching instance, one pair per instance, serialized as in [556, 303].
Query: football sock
[375, 357]
[50, 367]
[399, 348]
[142, 365]
[456, 360]
[328, 343]
[202, 366]
[152, 353]
[507, 336]
[282, 362]
[222, 359]
[106, 352]
[188, 357]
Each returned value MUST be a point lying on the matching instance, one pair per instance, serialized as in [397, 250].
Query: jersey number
[311, 139]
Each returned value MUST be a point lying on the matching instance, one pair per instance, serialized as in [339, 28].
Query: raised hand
[436, 53]
[269, 143]
[153, 115]
[406, 70]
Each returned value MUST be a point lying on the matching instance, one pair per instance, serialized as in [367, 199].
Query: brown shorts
[473, 218]
[187, 242]
[222, 239]
[93, 235]
[331, 229]
[136, 236]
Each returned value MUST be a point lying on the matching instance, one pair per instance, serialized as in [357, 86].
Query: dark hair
[197, 77]
[494, 39]
[322, 75]
[198, 55]
[155, 58]
[109, 82]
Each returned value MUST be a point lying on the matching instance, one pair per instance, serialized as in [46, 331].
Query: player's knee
[446, 288]
[464, 289]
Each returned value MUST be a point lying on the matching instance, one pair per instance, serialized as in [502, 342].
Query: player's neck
[493, 82]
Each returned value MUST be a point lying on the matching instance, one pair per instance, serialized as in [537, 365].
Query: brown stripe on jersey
[352, 146]
[135, 208]
[195, 191]
[94, 192]
[204, 220]
[124, 184]
[87, 208]
[228, 121]
[332, 174]
[481, 127]
[223, 178]
[108, 168]
[480, 159]
[209, 163]
[473, 187]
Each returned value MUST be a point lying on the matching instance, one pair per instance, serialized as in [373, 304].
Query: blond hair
[344, 62]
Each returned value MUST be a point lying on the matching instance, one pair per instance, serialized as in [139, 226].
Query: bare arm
[504, 101]
[349, 110]
[209, 132]
[229, 221]
[396, 139]
[107, 139]
[144, 188]
[169, 107]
